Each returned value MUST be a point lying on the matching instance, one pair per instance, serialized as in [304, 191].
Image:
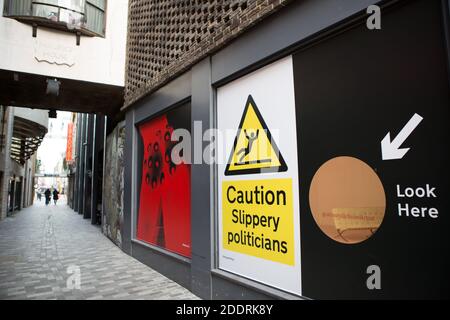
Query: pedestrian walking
[48, 196]
[55, 196]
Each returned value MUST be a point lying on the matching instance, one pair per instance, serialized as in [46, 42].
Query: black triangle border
[282, 168]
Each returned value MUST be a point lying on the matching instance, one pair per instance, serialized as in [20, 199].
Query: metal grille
[166, 37]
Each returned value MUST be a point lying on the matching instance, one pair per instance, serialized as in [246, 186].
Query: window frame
[105, 10]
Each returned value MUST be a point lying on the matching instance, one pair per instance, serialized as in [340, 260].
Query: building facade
[251, 149]
[319, 84]
[85, 168]
[58, 55]
[62, 55]
[22, 133]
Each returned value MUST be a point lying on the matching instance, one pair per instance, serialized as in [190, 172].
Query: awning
[27, 137]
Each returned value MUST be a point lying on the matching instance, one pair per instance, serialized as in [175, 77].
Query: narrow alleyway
[38, 244]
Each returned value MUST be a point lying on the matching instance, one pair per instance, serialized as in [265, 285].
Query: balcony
[85, 17]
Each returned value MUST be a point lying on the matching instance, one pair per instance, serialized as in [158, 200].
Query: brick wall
[166, 37]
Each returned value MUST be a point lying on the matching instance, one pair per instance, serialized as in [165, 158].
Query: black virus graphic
[159, 162]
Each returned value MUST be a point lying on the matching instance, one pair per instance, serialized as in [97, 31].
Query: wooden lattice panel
[166, 37]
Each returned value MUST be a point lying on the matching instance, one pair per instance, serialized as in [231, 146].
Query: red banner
[69, 153]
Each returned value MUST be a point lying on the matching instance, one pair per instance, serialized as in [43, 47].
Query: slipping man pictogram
[254, 151]
[246, 151]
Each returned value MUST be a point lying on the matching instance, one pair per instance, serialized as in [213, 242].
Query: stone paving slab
[39, 244]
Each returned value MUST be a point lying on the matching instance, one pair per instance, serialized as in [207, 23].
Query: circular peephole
[347, 200]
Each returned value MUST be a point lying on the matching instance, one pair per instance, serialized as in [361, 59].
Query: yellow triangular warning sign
[254, 149]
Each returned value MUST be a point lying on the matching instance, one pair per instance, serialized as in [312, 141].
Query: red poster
[69, 156]
[165, 197]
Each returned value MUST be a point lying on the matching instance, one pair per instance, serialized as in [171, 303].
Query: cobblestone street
[38, 244]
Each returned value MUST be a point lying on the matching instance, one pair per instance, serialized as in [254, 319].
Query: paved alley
[39, 244]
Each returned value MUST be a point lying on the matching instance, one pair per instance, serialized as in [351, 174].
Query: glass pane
[19, 7]
[44, 11]
[95, 19]
[76, 5]
[51, 2]
[73, 19]
[101, 4]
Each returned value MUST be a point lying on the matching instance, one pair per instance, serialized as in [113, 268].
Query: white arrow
[390, 150]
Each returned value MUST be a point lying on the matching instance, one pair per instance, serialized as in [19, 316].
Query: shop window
[164, 206]
[85, 16]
